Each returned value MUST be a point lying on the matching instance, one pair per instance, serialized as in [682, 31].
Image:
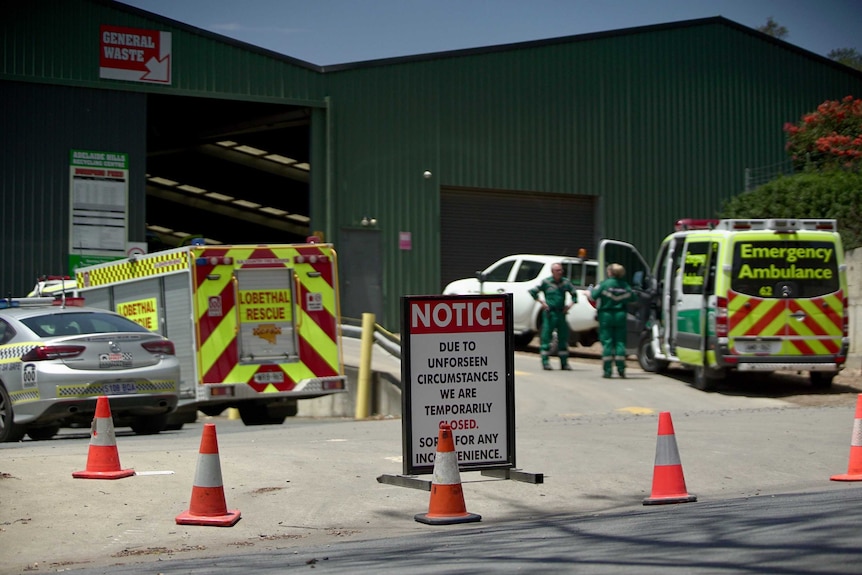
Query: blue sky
[326, 32]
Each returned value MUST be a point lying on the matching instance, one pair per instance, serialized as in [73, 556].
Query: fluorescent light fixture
[182, 234]
[160, 229]
[163, 181]
[227, 143]
[250, 150]
[192, 189]
[299, 218]
[273, 211]
[280, 159]
[246, 204]
[218, 196]
[302, 166]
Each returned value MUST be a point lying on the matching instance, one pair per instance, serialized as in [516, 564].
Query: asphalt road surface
[759, 464]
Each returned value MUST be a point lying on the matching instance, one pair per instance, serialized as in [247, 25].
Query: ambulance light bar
[780, 225]
[694, 224]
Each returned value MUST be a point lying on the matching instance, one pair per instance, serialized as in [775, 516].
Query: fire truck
[255, 327]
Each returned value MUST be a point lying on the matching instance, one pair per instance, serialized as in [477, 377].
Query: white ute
[517, 274]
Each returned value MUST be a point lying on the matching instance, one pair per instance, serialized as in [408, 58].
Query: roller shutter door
[479, 227]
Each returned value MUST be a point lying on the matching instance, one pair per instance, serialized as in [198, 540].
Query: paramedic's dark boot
[607, 366]
[621, 369]
[546, 366]
[566, 367]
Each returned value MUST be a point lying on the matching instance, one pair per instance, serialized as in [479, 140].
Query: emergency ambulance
[255, 327]
[757, 295]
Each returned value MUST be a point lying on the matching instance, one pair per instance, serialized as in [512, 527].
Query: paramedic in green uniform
[554, 314]
[611, 296]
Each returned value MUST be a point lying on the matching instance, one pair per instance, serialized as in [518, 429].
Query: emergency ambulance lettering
[792, 272]
[788, 254]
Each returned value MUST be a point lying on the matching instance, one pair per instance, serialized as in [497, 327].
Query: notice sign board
[457, 365]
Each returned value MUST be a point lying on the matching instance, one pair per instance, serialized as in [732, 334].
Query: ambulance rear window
[784, 269]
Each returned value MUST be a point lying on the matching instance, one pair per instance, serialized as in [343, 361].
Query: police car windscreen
[783, 269]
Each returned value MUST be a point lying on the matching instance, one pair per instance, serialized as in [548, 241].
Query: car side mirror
[481, 276]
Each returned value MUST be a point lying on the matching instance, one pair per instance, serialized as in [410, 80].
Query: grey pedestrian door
[360, 269]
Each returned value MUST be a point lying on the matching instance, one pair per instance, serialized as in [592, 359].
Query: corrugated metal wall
[660, 122]
[52, 101]
[40, 126]
[58, 41]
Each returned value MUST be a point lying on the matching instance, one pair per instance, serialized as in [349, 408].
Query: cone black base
[466, 518]
[663, 500]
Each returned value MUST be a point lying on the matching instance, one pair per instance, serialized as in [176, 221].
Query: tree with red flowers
[827, 138]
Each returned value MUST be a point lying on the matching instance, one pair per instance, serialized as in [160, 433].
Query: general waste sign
[458, 368]
[135, 55]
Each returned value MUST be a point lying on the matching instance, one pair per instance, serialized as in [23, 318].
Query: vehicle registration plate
[758, 347]
[119, 388]
[269, 377]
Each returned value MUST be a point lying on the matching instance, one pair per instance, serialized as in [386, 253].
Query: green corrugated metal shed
[661, 122]
[657, 123]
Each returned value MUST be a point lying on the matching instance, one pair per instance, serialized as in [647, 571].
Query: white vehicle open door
[638, 275]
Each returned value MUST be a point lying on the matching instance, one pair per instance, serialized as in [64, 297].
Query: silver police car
[56, 359]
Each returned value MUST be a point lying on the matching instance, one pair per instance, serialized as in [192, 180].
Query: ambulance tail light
[163, 347]
[721, 322]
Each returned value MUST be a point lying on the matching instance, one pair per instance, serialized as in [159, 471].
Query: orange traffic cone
[668, 483]
[447, 500]
[854, 467]
[208, 505]
[103, 460]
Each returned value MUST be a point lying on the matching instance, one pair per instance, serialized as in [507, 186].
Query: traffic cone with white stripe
[103, 459]
[668, 483]
[447, 499]
[208, 506]
[854, 467]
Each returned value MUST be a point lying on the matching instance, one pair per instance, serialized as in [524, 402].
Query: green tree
[774, 29]
[847, 56]
[830, 194]
[828, 138]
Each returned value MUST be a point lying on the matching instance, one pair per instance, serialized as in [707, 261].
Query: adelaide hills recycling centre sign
[457, 366]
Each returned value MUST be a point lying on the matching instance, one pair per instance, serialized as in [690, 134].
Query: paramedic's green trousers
[555, 319]
[612, 335]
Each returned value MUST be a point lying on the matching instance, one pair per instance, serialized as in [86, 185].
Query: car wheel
[647, 358]
[212, 410]
[702, 379]
[149, 425]
[524, 339]
[43, 433]
[257, 414]
[822, 379]
[9, 431]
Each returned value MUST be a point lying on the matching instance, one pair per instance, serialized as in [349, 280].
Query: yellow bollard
[363, 390]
